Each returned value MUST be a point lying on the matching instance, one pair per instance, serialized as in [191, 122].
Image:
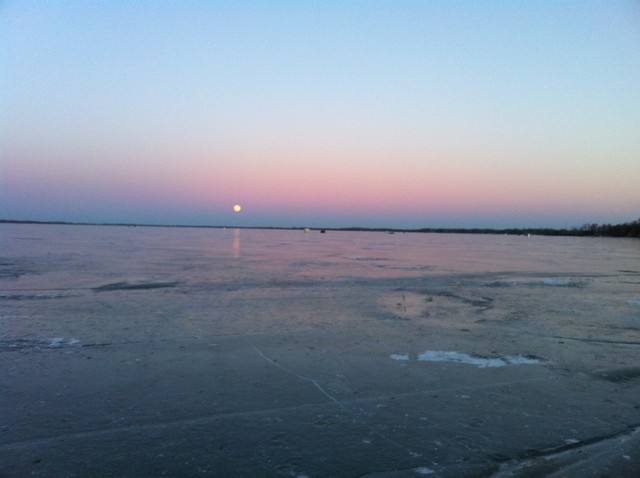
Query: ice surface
[137, 351]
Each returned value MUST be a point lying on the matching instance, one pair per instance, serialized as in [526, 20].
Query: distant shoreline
[629, 229]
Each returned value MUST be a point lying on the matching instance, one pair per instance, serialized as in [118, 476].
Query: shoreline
[629, 229]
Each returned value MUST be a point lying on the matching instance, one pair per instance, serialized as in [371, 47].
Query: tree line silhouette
[627, 229]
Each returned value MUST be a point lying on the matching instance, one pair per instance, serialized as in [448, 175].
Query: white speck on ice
[423, 470]
[73, 341]
[400, 356]
[571, 441]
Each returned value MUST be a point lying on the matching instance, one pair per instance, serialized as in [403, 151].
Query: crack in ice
[302, 377]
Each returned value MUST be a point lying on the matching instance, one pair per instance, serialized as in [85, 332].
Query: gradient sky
[321, 113]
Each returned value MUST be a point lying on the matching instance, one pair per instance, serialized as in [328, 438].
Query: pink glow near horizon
[302, 191]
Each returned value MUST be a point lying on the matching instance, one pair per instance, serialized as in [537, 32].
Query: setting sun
[237, 208]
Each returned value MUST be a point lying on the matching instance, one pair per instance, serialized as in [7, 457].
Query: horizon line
[586, 229]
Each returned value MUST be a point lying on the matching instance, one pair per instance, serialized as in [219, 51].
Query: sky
[404, 114]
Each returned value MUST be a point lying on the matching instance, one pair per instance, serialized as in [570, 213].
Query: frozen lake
[144, 351]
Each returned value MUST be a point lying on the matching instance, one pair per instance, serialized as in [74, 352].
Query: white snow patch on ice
[558, 282]
[423, 470]
[633, 302]
[459, 357]
[56, 342]
[399, 356]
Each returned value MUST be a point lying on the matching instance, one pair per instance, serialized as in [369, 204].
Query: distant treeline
[627, 229]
